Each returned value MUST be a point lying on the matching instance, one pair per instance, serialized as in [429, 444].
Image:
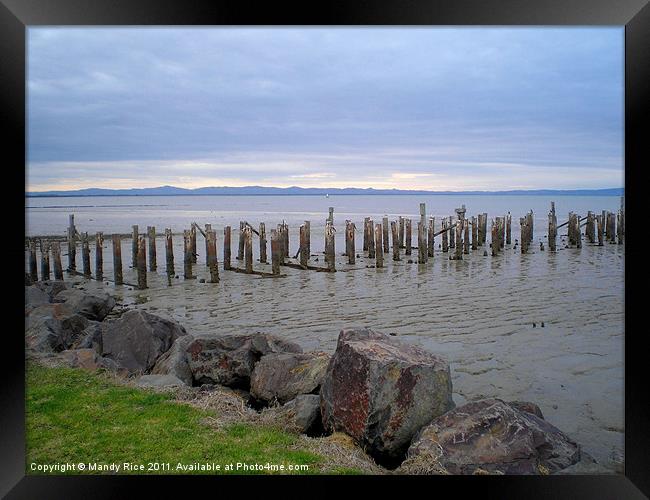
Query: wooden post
[501, 226]
[508, 229]
[72, 244]
[530, 226]
[485, 218]
[85, 255]
[423, 222]
[431, 236]
[347, 239]
[409, 236]
[285, 232]
[525, 241]
[552, 231]
[330, 217]
[619, 226]
[600, 223]
[248, 249]
[56, 258]
[480, 230]
[142, 263]
[351, 250]
[45, 260]
[459, 240]
[578, 232]
[187, 254]
[466, 237]
[169, 254]
[151, 234]
[452, 233]
[33, 266]
[611, 227]
[385, 234]
[379, 248]
[422, 243]
[395, 233]
[330, 246]
[474, 233]
[308, 238]
[262, 243]
[193, 243]
[226, 247]
[401, 231]
[275, 252]
[445, 235]
[117, 259]
[134, 246]
[371, 240]
[99, 256]
[590, 229]
[604, 218]
[211, 251]
[208, 227]
[303, 247]
[621, 221]
[240, 248]
[365, 233]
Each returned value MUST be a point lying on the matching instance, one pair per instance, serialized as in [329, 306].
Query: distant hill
[294, 190]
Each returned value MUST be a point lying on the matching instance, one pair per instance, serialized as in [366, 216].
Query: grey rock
[300, 415]
[381, 392]
[137, 339]
[53, 328]
[92, 306]
[283, 376]
[158, 381]
[176, 361]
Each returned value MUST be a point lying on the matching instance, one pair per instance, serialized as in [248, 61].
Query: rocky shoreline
[391, 400]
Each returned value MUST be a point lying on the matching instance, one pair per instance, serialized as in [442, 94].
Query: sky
[407, 108]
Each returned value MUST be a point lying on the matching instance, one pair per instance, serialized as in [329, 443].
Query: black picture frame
[17, 15]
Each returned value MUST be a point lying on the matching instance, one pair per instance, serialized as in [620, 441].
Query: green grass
[76, 416]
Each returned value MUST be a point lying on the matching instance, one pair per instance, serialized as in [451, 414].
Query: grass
[75, 416]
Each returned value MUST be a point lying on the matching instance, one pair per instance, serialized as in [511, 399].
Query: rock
[28, 280]
[41, 292]
[82, 358]
[527, 407]
[283, 376]
[176, 361]
[300, 415]
[91, 338]
[229, 359]
[53, 328]
[159, 381]
[381, 392]
[492, 436]
[91, 306]
[137, 339]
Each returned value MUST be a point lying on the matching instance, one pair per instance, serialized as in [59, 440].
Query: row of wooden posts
[460, 235]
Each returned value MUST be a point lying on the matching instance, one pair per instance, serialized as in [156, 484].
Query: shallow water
[478, 312]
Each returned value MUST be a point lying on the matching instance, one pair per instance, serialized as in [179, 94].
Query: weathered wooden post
[395, 233]
[193, 243]
[72, 244]
[604, 217]
[459, 239]
[619, 226]
[611, 227]
[187, 254]
[525, 241]
[552, 231]
[240, 248]
[262, 243]
[485, 218]
[466, 237]
[303, 247]
[248, 249]
[99, 256]
[330, 217]
[151, 234]
[365, 233]
[205, 237]
[423, 223]
[351, 250]
[401, 231]
[371, 239]
[600, 223]
[385, 234]
[33, 266]
[502, 232]
[85, 255]
[117, 259]
[285, 233]
[330, 232]
[508, 229]
[56, 258]
[142, 263]
[530, 229]
[211, 250]
[45, 260]
[621, 221]
[409, 236]
[452, 233]
[347, 238]
[431, 236]
[422, 243]
[379, 248]
[275, 252]
[474, 233]
[308, 238]
[480, 230]
[445, 235]
[578, 232]
[226, 247]
[590, 229]
[169, 254]
[134, 246]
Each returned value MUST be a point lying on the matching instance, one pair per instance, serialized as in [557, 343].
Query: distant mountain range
[294, 190]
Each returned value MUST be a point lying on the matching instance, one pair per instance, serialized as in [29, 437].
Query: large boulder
[492, 436]
[381, 392]
[94, 306]
[53, 328]
[229, 359]
[88, 359]
[158, 381]
[283, 376]
[176, 361]
[137, 339]
[300, 415]
[41, 292]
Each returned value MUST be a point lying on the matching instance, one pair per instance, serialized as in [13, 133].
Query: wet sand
[478, 313]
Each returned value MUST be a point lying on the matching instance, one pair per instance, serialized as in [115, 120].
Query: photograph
[325, 250]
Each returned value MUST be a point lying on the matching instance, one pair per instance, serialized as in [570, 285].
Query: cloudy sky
[426, 108]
